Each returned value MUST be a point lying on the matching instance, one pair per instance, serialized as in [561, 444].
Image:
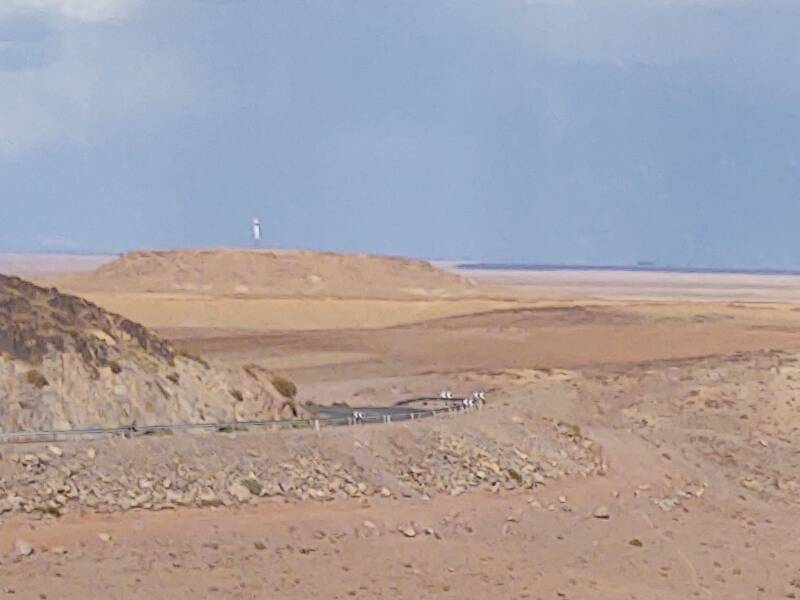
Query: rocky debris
[408, 532]
[461, 462]
[601, 512]
[154, 473]
[753, 485]
[666, 504]
[240, 492]
[23, 548]
[739, 412]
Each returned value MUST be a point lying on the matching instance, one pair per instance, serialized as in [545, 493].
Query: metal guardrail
[141, 430]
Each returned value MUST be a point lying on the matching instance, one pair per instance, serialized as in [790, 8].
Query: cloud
[81, 84]
[90, 11]
[83, 98]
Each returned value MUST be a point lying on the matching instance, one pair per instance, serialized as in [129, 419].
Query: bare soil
[691, 400]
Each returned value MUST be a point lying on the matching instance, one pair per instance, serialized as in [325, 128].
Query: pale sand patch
[37, 265]
[254, 314]
[640, 285]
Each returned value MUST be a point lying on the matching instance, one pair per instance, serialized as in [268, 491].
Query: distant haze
[538, 131]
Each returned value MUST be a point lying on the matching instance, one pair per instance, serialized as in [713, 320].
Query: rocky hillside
[275, 273]
[67, 363]
[429, 458]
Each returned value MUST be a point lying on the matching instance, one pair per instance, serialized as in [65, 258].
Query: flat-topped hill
[272, 273]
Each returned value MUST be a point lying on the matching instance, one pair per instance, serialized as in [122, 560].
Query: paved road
[405, 410]
[337, 414]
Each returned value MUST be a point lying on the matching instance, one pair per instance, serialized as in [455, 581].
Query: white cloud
[99, 83]
[78, 10]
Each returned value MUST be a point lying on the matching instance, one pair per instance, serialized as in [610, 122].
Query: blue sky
[554, 131]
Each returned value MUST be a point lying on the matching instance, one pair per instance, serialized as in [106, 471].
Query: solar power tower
[256, 232]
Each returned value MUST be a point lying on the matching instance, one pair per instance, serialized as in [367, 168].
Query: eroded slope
[67, 363]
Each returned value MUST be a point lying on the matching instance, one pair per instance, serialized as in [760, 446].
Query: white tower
[256, 231]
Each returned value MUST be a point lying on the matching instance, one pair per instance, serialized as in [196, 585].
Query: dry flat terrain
[639, 442]
[37, 265]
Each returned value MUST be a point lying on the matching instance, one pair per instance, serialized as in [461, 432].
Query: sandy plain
[689, 384]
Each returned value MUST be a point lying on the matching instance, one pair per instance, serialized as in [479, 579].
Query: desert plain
[639, 438]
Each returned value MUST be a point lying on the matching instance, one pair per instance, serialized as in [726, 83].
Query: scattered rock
[753, 485]
[208, 498]
[636, 542]
[240, 492]
[451, 464]
[409, 532]
[601, 512]
[253, 485]
[23, 548]
[666, 504]
[104, 537]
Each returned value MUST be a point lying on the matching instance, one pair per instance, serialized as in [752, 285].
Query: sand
[43, 265]
[275, 273]
[641, 285]
[688, 385]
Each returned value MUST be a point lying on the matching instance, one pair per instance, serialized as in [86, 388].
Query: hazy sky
[593, 131]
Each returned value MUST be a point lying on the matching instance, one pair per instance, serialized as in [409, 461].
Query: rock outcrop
[66, 363]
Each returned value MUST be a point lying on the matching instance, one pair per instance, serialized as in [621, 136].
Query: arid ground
[639, 441]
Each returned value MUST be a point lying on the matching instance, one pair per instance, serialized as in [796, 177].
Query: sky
[537, 131]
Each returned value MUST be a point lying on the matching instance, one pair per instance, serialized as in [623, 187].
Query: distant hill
[67, 363]
[271, 273]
